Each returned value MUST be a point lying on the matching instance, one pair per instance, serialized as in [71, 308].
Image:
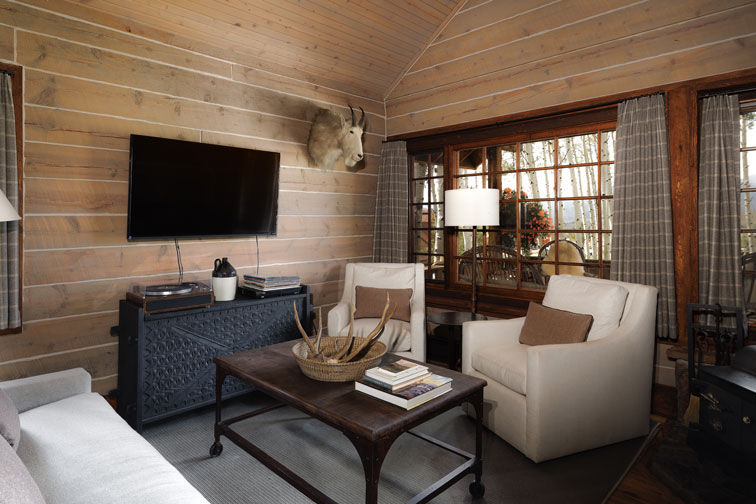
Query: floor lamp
[7, 212]
[472, 207]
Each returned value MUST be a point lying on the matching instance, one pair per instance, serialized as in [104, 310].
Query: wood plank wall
[496, 58]
[512, 59]
[87, 87]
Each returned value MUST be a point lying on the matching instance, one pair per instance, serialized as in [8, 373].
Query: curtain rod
[709, 94]
[8, 72]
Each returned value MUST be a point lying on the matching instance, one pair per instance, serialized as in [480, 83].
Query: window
[555, 210]
[748, 200]
[427, 212]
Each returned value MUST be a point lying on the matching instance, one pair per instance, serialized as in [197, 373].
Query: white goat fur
[332, 136]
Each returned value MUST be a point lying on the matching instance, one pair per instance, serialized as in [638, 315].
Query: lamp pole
[472, 207]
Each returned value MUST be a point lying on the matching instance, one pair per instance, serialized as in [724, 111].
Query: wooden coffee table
[370, 424]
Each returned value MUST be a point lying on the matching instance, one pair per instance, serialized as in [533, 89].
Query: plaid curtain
[642, 246]
[719, 271]
[392, 205]
[10, 315]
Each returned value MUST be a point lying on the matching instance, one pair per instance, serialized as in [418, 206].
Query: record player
[171, 297]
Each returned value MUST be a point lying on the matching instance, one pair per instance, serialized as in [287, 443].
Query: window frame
[451, 174]
[747, 105]
[498, 300]
[412, 229]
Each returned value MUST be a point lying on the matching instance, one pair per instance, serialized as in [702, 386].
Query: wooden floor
[639, 485]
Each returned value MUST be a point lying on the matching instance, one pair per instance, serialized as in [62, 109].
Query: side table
[453, 322]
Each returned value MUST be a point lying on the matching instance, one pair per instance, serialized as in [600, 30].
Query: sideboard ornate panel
[165, 360]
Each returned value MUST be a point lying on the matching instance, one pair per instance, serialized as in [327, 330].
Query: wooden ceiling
[359, 46]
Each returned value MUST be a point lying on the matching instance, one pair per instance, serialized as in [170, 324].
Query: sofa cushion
[370, 302]
[16, 484]
[507, 364]
[396, 335]
[605, 301]
[79, 450]
[10, 428]
[549, 326]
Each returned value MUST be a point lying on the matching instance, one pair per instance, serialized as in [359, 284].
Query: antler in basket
[314, 348]
[346, 353]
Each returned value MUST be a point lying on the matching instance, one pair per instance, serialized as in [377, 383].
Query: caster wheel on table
[216, 449]
[477, 489]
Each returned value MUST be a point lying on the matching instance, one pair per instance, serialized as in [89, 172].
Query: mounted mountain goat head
[331, 137]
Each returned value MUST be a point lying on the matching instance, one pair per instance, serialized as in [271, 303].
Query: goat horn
[361, 122]
[352, 110]
[313, 352]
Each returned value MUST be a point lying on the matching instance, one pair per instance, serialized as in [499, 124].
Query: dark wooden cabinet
[165, 362]
[728, 407]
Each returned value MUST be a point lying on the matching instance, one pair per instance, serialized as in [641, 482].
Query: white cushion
[605, 301]
[78, 450]
[507, 364]
[396, 335]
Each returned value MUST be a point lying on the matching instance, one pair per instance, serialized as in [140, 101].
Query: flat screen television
[180, 189]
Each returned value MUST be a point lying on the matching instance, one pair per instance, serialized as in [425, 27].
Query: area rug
[701, 476]
[325, 458]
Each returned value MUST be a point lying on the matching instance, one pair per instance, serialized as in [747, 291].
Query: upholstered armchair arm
[483, 333]
[338, 319]
[28, 393]
[592, 390]
[418, 333]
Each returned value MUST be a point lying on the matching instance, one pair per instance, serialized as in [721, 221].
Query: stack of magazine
[274, 285]
[403, 383]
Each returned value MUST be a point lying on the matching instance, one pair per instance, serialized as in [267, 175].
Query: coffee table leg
[372, 454]
[220, 377]
[477, 489]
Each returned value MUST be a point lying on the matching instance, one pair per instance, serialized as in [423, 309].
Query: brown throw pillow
[10, 426]
[549, 326]
[370, 301]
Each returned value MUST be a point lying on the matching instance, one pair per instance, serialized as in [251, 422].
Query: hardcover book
[396, 370]
[395, 381]
[411, 396]
[398, 385]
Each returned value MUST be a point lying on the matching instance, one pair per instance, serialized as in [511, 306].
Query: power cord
[178, 258]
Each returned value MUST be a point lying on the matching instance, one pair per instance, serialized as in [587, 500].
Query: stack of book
[403, 383]
[260, 285]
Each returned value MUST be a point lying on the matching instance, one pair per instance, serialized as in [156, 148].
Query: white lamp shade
[7, 212]
[471, 207]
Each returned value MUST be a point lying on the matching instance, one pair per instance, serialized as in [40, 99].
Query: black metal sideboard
[165, 362]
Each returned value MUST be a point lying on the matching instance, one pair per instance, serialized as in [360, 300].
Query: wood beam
[682, 118]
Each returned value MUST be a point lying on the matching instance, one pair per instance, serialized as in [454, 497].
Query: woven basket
[339, 372]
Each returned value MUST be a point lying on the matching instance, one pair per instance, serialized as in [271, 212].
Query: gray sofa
[78, 450]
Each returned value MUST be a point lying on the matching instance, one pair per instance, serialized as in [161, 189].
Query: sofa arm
[28, 393]
[482, 333]
[338, 319]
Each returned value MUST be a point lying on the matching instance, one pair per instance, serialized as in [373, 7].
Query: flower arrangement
[536, 220]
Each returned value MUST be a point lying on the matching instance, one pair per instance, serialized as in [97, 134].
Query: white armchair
[403, 338]
[553, 400]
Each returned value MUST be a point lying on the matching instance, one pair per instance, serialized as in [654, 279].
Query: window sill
[502, 304]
